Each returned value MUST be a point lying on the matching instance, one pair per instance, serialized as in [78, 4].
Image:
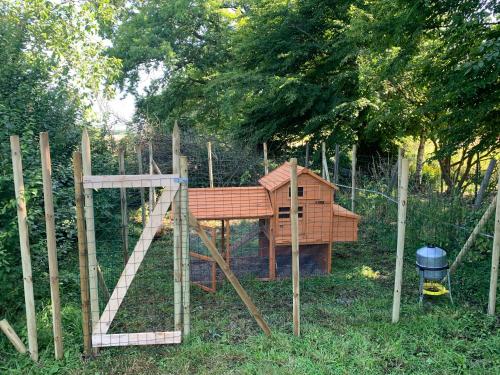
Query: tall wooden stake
[50, 225]
[495, 254]
[210, 166]
[82, 253]
[89, 224]
[266, 161]
[326, 174]
[186, 280]
[306, 163]
[29, 299]
[123, 207]
[398, 281]
[337, 164]
[294, 222]
[143, 203]
[177, 245]
[400, 157]
[353, 177]
[151, 189]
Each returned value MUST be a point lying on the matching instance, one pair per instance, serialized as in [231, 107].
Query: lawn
[345, 328]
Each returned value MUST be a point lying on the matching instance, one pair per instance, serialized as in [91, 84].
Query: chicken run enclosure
[182, 221]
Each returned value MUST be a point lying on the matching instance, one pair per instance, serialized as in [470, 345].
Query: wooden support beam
[22, 221]
[128, 181]
[210, 166]
[185, 262]
[495, 255]
[229, 274]
[89, 223]
[266, 161]
[139, 170]
[294, 222]
[306, 162]
[82, 253]
[7, 329]
[177, 240]
[228, 243]
[484, 183]
[50, 226]
[156, 169]
[398, 281]
[123, 207]
[325, 173]
[472, 238]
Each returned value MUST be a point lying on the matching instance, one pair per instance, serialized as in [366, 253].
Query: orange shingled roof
[229, 203]
[281, 176]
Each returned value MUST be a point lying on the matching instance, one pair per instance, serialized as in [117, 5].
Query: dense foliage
[372, 72]
[48, 71]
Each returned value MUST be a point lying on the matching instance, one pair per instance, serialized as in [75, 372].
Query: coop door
[203, 266]
[141, 284]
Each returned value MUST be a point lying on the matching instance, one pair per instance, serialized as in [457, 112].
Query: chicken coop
[251, 227]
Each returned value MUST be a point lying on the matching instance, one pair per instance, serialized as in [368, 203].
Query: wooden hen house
[321, 221]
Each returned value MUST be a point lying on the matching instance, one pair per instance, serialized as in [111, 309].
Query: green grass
[345, 329]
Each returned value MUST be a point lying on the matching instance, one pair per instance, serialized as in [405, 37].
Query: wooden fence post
[353, 177]
[266, 161]
[400, 157]
[495, 254]
[89, 224]
[306, 163]
[50, 225]
[22, 221]
[7, 329]
[82, 252]
[186, 280]
[294, 222]
[123, 207]
[325, 173]
[337, 164]
[210, 166]
[143, 203]
[177, 245]
[398, 281]
[151, 189]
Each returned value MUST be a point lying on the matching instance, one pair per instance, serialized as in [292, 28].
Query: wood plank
[495, 256]
[130, 181]
[294, 218]
[254, 311]
[143, 202]
[82, 253]
[89, 223]
[185, 262]
[50, 225]
[22, 222]
[266, 161]
[7, 329]
[398, 279]
[142, 338]
[177, 240]
[210, 166]
[134, 262]
[123, 207]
